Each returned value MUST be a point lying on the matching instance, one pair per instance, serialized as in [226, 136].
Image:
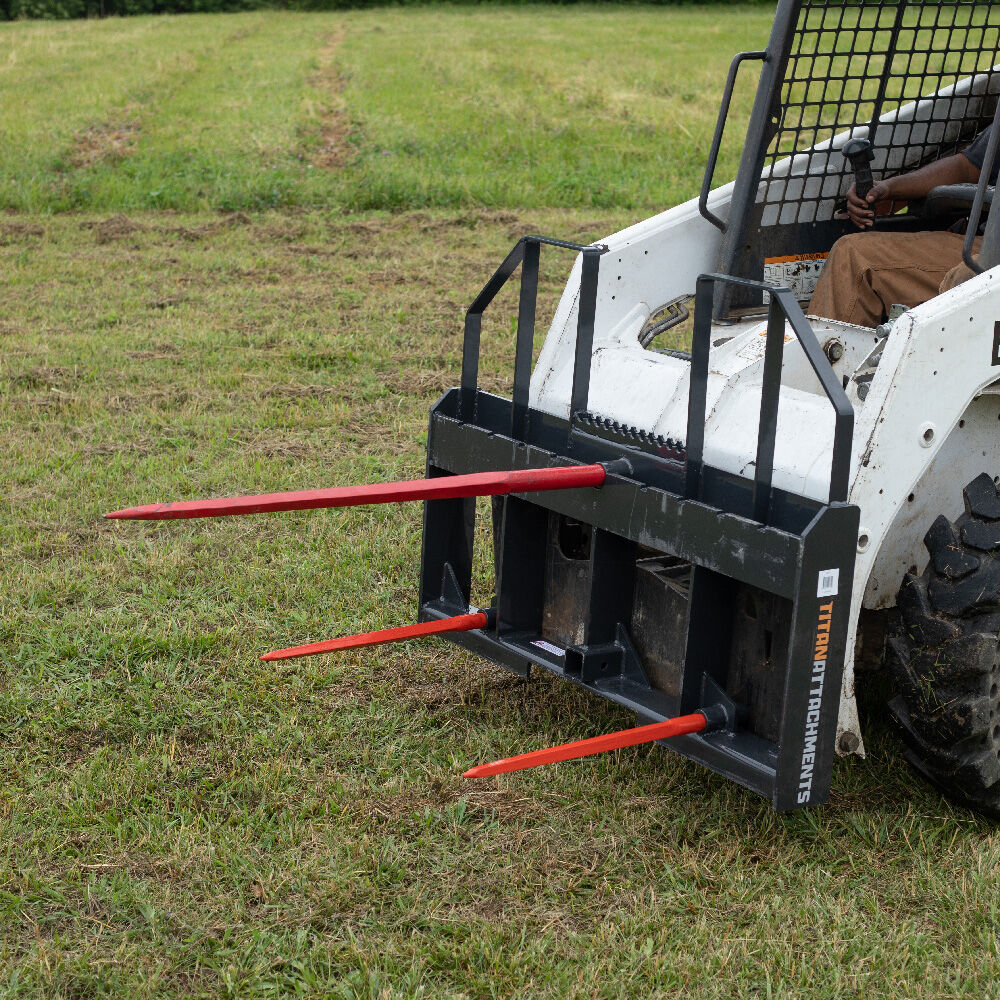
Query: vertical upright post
[701, 344]
[976, 213]
[470, 364]
[612, 586]
[446, 547]
[474, 327]
[525, 339]
[586, 314]
[817, 649]
[520, 578]
[708, 647]
[843, 428]
[770, 392]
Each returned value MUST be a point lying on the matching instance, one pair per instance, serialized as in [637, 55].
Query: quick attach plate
[805, 558]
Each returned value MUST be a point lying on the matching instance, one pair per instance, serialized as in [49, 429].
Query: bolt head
[848, 743]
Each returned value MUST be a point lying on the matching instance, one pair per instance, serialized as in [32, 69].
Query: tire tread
[944, 655]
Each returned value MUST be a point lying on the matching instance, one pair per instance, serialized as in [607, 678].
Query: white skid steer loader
[720, 534]
[924, 388]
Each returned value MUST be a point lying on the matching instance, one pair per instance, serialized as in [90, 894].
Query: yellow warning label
[799, 273]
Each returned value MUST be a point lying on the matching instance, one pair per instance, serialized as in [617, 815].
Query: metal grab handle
[720, 126]
[783, 306]
[526, 253]
[977, 204]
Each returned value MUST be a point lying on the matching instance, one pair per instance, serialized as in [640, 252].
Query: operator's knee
[958, 274]
[961, 271]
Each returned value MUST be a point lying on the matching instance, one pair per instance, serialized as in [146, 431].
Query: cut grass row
[611, 107]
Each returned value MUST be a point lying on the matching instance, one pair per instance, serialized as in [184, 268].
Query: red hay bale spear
[459, 623]
[476, 484]
[680, 726]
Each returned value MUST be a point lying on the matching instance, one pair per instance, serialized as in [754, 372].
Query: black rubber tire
[944, 655]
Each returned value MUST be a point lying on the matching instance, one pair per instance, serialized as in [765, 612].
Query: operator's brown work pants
[868, 273]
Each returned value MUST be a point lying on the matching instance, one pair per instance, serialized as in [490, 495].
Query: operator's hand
[861, 211]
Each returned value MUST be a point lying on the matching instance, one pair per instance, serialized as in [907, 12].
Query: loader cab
[919, 80]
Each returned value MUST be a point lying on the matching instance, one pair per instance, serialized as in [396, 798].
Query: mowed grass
[162, 112]
[500, 107]
[178, 819]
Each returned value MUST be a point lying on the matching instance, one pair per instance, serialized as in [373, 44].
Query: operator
[867, 273]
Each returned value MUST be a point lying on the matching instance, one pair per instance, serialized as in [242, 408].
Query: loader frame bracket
[745, 542]
[727, 551]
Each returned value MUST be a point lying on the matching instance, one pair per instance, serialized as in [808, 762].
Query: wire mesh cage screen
[915, 78]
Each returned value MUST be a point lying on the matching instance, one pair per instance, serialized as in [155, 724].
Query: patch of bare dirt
[280, 232]
[19, 232]
[170, 398]
[333, 151]
[466, 220]
[227, 221]
[295, 391]
[423, 222]
[312, 250]
[41, 378]
[166, 303]
[158, 352]
[79, 744]
[106, 141]
[118, 227]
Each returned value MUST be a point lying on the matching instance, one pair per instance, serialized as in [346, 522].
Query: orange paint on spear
[476, 484]
[680, 726]
[457, 623]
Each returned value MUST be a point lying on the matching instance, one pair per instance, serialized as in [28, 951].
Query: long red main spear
[476, 484]
[680, 726]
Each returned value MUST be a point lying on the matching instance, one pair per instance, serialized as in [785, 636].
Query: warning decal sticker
[799, 273]
[549, 647]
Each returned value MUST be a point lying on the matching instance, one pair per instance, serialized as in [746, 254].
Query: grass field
[505, 108]
[178, 819]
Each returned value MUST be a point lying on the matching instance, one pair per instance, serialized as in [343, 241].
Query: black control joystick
[859, 152]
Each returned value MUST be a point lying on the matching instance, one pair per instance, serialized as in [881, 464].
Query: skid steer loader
[720, 534]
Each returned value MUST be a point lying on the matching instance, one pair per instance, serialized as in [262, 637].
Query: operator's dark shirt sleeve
[976, 153]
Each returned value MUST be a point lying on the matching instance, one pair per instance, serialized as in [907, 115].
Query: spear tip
[148, 512]
[481, 771]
